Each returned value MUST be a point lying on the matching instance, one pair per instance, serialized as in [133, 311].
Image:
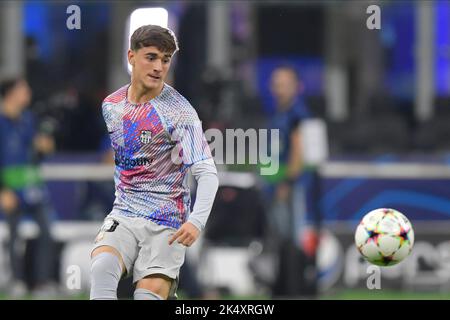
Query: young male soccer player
[156, 136]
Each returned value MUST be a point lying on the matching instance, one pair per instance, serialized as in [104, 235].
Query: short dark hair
[152, 35]
[7, 85]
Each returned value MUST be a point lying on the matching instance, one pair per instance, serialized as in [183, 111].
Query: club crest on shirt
[146, 136]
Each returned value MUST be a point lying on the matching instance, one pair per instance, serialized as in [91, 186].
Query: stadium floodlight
[141, 17]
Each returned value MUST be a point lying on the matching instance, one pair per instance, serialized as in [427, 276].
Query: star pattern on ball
[372, 235]
[387, 259]
[404, 234]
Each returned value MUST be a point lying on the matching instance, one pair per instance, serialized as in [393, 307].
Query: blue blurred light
[36, 25]
[442, 54]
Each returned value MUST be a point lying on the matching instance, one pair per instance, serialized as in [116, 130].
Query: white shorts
[144, 247]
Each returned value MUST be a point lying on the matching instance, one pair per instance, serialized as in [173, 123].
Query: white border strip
[100, 172]
[77, 172]
[385, 171]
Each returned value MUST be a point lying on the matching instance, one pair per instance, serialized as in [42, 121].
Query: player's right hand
[8, 201]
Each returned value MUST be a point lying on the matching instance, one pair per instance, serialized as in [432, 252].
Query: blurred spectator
[288, 207]
[21, 188]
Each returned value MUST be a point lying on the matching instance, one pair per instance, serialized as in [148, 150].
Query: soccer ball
[384, 237]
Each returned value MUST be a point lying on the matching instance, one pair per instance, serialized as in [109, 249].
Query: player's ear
[131, 56]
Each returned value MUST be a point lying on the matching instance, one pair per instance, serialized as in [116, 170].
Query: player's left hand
[186, 235]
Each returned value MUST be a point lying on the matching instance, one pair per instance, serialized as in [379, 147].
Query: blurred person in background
[21, 187]
[288, 203]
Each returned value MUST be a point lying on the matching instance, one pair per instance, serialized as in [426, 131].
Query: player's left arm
[196, 155]
[205, 173]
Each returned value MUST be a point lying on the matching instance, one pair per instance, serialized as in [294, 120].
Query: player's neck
[137, 94]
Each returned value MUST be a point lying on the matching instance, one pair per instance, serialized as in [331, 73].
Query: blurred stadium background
[380, 96]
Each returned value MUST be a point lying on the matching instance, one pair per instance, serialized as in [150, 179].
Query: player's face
[150, 66]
